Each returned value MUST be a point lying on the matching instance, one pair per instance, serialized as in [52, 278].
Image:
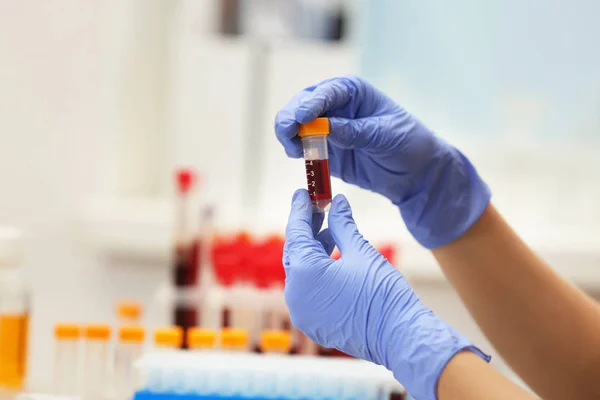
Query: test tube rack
[228, 375]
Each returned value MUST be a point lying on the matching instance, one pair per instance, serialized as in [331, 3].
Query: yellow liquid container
[14, 312]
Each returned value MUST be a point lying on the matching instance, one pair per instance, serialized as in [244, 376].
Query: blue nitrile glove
[377, 145]
[360, 304]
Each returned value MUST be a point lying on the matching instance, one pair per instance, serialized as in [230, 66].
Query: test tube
[234, 340]
[14, 312]
[96, 361]
[316, 160]
[169, 338]
[185, 257]
[199, 339]
[129, 349]
[169, 379]
[199, 380]
[66, 359]
[129, 313]
[276, 341]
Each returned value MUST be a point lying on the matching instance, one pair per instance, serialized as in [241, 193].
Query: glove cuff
[451, 201]
[419, 368]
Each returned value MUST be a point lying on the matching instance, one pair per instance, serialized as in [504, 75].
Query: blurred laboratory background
[141, 178]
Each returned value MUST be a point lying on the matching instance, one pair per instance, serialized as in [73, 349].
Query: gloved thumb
[342, 226]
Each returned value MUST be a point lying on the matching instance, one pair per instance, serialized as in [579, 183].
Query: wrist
[419, 368]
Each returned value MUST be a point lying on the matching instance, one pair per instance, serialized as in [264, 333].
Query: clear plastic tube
[167, 341]
[66, 359]
[234, 340]
[316, 162]
[95, 381]
[201, 340]
[129, 349]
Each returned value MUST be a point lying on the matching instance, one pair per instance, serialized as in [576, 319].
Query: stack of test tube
[225, 373]
[103, 373]
[250, 275]
[244, 287]
[217, 365]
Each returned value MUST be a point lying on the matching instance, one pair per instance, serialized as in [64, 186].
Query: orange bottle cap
[168, 337]
[234, 339]
[129, 310]
[132, 334]
[276, 341]
[198, 338]
[67, 331]
[319, 126]
[97, 332]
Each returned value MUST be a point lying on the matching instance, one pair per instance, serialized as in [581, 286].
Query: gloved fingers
[317, 222]
[300, 221]
[301, 246]
[326, 239]
[327, 96]
[342, 226]
[381, 132]
[286, 126]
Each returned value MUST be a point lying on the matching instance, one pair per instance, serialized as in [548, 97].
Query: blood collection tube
[199, 339]
[96, 361]
[234, 340]
[276, 341]
[66, 359]
[186, 255]
[169, 338]
[129, 313]
[316, 160]
[129, 348]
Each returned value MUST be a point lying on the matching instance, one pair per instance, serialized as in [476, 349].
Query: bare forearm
[545, 328]
[468, 377]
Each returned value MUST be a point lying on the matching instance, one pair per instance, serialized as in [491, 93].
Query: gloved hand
[377, 145]
[360, 304]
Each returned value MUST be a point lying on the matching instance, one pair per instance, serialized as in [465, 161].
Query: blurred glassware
[284, 19]
[14, 311]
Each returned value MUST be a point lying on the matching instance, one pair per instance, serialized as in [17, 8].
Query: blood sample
[316, 160]
[186, 258]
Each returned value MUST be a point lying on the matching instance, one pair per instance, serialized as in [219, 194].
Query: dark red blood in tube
[319, 181]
